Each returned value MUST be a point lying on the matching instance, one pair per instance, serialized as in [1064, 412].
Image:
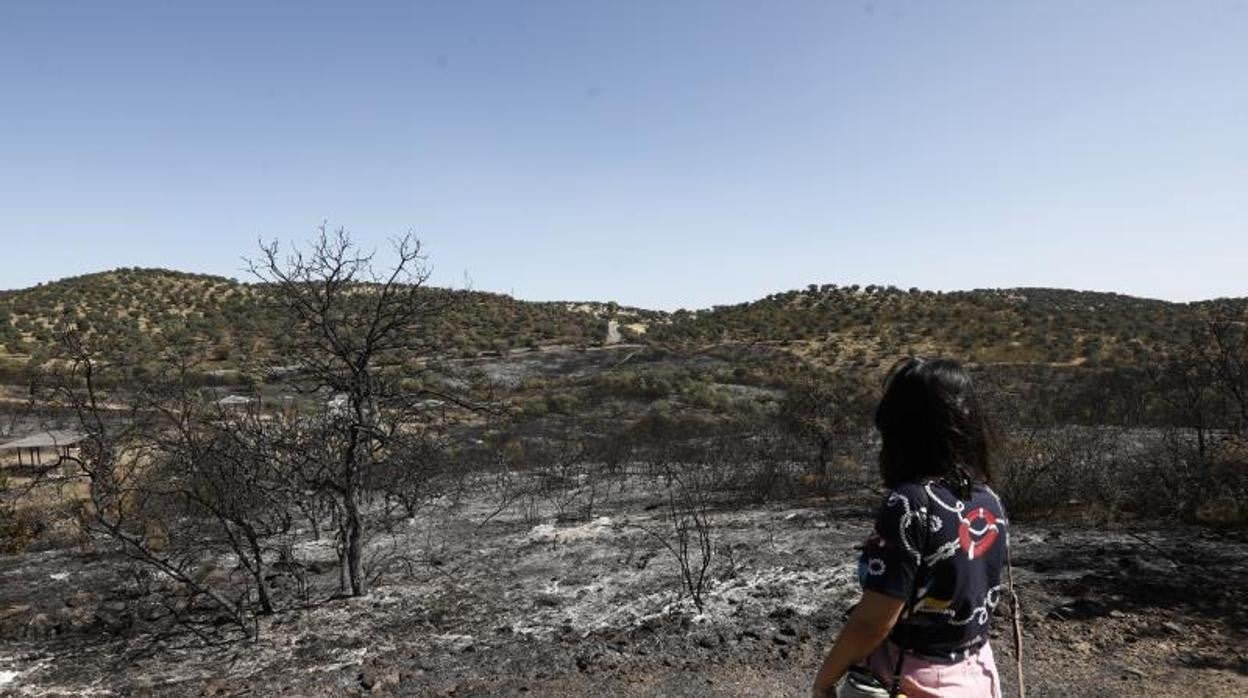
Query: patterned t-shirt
[963, 551]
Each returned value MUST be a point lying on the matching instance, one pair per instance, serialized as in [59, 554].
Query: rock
[1082, 609]
[1078, 589]
[112, 623]
[40, 626]
[1173, 627]
[463, 643]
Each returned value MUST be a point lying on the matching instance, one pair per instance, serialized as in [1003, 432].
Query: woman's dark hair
[932, 426]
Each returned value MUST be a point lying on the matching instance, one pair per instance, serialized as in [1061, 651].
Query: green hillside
[850, 325]
[137, 312]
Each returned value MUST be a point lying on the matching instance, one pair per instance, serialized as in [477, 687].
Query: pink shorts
[973, 677]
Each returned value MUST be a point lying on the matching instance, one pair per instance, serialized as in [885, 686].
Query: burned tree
[1224, 352]
[161, 487]
[1185, 387]
[822, 411]
[367, 335]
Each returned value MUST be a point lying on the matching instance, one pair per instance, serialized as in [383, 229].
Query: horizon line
[860, 288]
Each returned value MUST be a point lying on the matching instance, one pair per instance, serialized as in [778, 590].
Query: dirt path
[613, 333]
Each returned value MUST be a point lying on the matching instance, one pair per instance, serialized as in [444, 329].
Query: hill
[137, 312]
[140, 311]
[852, 325]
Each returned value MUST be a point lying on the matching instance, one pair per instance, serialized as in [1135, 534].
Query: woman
[931, 570]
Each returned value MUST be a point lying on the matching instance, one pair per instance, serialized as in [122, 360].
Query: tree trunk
[359, 451]
[316, 525]
[344, 575]
[354, 531]
[825, 453]
[257, 570]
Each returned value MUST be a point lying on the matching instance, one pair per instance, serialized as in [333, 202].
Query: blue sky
[662, 154]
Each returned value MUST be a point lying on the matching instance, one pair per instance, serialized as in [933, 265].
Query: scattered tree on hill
[821, 410]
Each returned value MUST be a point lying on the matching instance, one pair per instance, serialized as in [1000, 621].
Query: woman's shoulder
[912, 491]
[989, 497]
[920, 493]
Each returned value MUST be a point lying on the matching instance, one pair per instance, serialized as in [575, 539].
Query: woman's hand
[867, 626]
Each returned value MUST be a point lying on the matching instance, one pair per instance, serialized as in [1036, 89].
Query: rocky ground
[517, 606]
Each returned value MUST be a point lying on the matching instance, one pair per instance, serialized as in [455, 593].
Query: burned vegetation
[338, 478]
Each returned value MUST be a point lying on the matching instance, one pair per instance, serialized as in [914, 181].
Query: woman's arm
[867, 626]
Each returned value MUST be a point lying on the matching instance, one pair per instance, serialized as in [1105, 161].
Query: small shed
[58, 440]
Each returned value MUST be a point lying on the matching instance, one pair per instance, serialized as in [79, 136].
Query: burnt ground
[517, 606]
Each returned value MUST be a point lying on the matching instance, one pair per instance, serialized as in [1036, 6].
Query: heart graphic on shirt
[977, 532]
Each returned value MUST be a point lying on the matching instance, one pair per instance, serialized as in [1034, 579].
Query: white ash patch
[323, 547]
[455, 641]
[763, 591]
[618, 614]
[345, 658]
[551, 533]
[614, 604]
[9, 678]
